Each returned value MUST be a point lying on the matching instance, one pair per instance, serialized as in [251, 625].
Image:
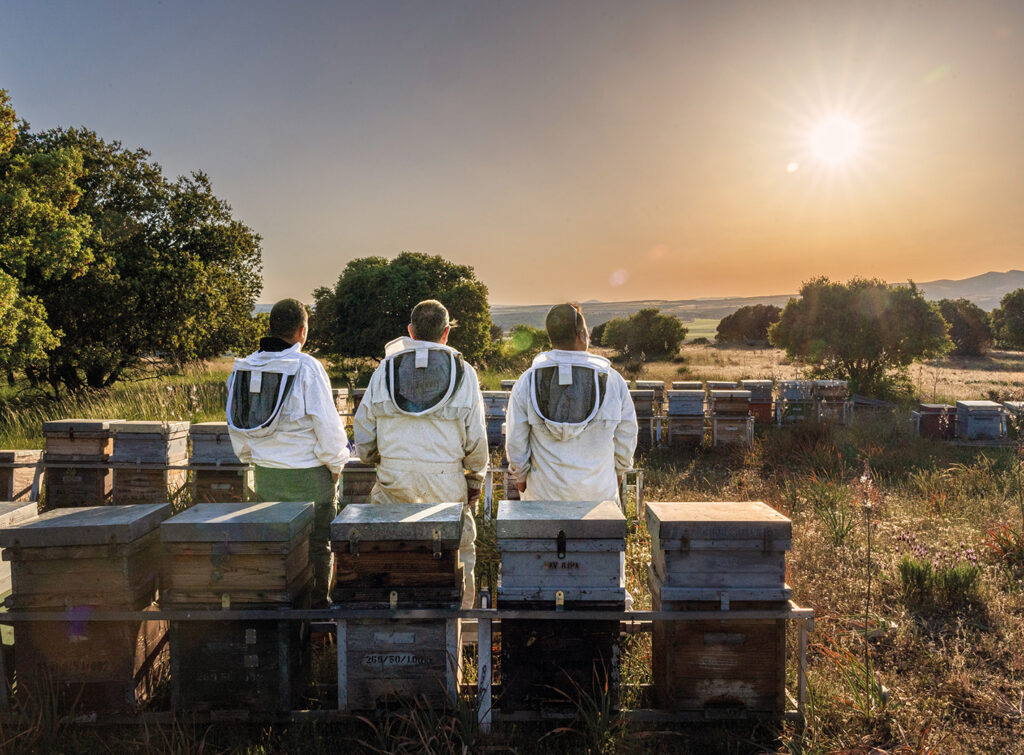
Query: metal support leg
[639, 494]
[483, 673]
[488, 492]
[342, 645]
[801, 677]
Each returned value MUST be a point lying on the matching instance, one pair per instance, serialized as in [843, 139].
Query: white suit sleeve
[331, 442]
[364, 425]
[476, 450]
[517, 431]
[625, 431]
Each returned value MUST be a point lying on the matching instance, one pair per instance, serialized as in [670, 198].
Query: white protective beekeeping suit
[570, 429]
[280, 412]
[422, 422]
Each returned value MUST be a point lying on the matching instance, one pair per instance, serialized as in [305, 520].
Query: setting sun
[836, 140]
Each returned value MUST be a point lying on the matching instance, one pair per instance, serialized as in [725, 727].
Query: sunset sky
[583, 150]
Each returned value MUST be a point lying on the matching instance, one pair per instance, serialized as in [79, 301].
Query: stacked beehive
[721, 385]
[936, 421]
[401, 556]
[495, 407]
[685, 421]
[506, 385]
[84, 560]
[12, 513]
[653, 385]
[357, 480]
[832, 397]
[218, 476]
[980, 420]
[241, 556]
[760, 399]
[647, 413]
[731, 422]
[357, 398]
[719, 557]
[76, 455]
[559, 556]
[21, 473]
[149, 460]
[795, 401]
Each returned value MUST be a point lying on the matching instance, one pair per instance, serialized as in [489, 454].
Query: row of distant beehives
[709, 560]
[969, 421]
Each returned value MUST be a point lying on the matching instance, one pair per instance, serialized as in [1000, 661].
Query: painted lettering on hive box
[561, 564]
[394, 660]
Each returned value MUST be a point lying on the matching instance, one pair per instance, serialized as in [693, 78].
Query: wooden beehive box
[831, 390]
[760, 390]
[718, 556]
[796, 390]
[506, 385]
[86, 559]
[218, 476]
[142, 451]
[732, 431]
[93, 556]
[87, 443]
[687, 385]
[980, 420]
[405, 552]
[11, 513]
[657, 386]
[708, 549]
[357, 481]
[357, 397]
[644, 403]
[405, 555]
[686, 403]
[495, 408]
[679, 431]
[236, 554]
[21, 473]
[341, 396]
[937, 421]
[729, 403]
[568, 554]
[573, 547]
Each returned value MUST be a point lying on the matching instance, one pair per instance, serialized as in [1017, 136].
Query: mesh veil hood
[421, 376]
[567, 392]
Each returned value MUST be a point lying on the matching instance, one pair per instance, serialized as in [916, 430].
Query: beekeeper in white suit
[571, 425]
[422, 423]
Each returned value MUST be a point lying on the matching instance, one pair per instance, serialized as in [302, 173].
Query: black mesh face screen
[571, 403]
[419, 389]
[250, 410]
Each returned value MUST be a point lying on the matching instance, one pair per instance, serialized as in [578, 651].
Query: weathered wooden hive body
[357, 480]
[21, 473]
[341, 403]
[357, 397]
[495, 408]
[405, 556]
[218, 476]
[795, 401]
[718, 557]
[88, 559]
[657, 386]
[731, 423]
[568, 555]
[142, 453]
[506, 385]
[12, 513]
[238, 555]
[1015, 417]
[87, 443]
[980, 420]
[760, 399]
[937, 421]
[832, 398]
[685, 420]
[646, 412]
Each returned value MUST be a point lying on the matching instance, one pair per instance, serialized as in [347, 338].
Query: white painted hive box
[573, 547]
[702, 550]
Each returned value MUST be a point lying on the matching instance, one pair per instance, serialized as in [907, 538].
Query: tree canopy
[865, 331]
[748, 324]
[970, 326]
[371, 302]
[647, 334]
[112, 262]
[1008, 320]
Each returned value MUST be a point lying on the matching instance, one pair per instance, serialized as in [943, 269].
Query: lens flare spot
[658, 252]
[793, 167]
[619, 277]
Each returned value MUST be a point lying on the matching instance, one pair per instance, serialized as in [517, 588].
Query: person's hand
[521, 486]
[336, 476]
[473, 497]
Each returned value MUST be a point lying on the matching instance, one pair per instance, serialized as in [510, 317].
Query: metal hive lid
[15, 512]
[399, 521]
[545, 519]
[716, 520]
[88, 525]
[143, 427]
[208, 428]
[237, 522]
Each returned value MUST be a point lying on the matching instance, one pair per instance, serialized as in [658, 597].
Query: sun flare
[836, 140]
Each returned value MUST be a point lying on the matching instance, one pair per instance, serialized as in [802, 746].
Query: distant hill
[984, 290]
